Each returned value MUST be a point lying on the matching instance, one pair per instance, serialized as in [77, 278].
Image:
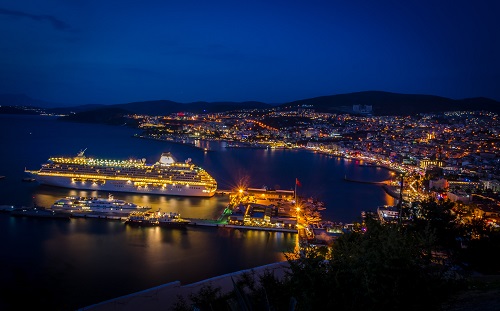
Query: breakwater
[384, 182]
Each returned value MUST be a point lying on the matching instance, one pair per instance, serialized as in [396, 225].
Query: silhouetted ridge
[112, 115]
[383, 103]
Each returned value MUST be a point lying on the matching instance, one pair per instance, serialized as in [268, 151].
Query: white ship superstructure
[96, 205]
[167, 176]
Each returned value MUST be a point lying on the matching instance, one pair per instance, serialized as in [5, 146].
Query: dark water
[85, 261]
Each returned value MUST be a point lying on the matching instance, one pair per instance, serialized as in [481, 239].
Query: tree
[438, 215]
[387, 267]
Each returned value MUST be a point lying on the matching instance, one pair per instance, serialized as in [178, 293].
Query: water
[84, 261]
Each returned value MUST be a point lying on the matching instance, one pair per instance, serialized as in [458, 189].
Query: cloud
[56, 23]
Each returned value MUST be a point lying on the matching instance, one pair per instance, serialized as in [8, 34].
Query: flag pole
[295, 192]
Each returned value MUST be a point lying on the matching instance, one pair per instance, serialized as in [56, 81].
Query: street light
[297, 210]
[401, 198]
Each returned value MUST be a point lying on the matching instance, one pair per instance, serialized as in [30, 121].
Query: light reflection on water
[85, 261]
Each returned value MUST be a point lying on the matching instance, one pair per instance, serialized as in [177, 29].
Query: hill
[386, 103]
[164, 107]
[111, 115]
[26, 101]
[75, 109]
[16, 110]
[383, 103]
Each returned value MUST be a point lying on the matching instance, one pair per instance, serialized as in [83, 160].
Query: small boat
[29, 179]
[149, 219]
[2, 177]
[142, 219]
[172, 220]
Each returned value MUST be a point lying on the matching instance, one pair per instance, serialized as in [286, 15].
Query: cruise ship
[167, 176]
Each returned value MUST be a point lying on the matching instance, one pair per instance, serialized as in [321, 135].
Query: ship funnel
[167, 158]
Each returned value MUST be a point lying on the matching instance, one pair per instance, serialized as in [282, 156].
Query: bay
[83, 261]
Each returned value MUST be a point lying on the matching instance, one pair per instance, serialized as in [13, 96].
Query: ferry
[167, 176]
[109, 206]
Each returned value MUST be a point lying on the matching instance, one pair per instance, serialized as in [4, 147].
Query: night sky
[119, 51]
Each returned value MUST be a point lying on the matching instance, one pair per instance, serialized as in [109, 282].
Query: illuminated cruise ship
[167, 176]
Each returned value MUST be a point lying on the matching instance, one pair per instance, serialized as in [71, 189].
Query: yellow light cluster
[134, 179]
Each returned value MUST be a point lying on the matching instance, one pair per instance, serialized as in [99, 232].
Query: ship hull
[124, 186]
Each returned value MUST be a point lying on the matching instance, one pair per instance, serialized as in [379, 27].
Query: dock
[223, 192]
[207, 223]
[384, 182]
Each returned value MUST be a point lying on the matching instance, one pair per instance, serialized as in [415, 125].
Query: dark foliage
[483, 254]
[386, 268]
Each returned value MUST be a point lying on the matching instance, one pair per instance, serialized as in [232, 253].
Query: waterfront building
[388, 213]
[270, 194]
[258, 214]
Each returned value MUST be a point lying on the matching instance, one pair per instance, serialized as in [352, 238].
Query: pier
[208, 223]
[223, 192]
[383, 182]
[247, 209]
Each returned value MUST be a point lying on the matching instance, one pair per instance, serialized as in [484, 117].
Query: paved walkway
[164, 296]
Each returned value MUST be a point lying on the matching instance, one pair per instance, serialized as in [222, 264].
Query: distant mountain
[164, 107]
[23, 100]
[75, 109]
[385, 103]
[110, 115]
[15, 110]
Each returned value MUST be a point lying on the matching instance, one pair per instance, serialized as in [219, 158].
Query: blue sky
[108, 52]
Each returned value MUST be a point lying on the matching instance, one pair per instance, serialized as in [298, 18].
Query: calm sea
[70, 264]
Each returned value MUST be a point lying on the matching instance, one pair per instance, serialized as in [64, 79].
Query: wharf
[97, 216]
[390, 191]
[211, 223]
[365, 182]
[21, 211]
[223, 192]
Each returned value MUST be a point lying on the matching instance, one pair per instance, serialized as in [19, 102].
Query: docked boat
[158, 218]
[167, 176]
[172, 219]
[142, 219]
[109, 206]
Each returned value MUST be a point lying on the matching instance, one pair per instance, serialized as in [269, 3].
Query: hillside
[111, 115]
[26, 101]
[164, 107]
[385, 103]
[15, 110]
